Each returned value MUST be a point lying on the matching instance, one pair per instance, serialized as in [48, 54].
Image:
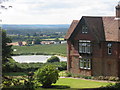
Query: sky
[54, 11]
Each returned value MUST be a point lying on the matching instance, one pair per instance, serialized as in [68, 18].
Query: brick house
[93, 45]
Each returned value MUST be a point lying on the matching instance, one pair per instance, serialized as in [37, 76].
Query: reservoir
[35, 58]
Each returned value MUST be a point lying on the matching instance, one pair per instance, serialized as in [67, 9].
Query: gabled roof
[103, 28]
[71, 29]
[110, 25]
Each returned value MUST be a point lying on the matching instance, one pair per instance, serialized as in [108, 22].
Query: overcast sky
[55, 11]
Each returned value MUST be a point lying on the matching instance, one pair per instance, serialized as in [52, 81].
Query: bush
[53, 59]
[68, 74]
[62, 66]
[109, 78]
[47, 75]
[113, 78]
[111, 86]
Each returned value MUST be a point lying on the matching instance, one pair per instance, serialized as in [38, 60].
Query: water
[34, 58]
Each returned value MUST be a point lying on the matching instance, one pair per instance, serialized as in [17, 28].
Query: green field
[53, 49]
[54, 39]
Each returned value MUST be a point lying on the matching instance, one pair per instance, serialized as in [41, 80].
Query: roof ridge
[97, 16]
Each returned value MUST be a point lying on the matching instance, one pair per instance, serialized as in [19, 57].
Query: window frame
[109, 48]
[84, 46]
[84, 29]
[85, 63]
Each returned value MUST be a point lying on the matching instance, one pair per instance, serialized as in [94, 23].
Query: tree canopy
[6, 49]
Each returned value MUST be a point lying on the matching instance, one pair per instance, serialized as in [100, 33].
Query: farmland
[53, 49]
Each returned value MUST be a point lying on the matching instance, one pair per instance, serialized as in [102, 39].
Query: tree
[28, 35]
[6, 49]
[47, 75]
[53, 59]
[57, 39]
[3, 6]
[35, 34]
[37, 41]
[29, 41]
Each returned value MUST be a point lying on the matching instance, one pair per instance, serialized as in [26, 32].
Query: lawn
[69, 84]
[53, 49]
[80, 83]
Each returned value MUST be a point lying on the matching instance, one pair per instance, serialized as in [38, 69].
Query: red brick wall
[111, 61]
[102, 63]
[119, 30]
[119, 59]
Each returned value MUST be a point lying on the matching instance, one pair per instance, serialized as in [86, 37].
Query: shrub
[117, 85]
[68, 74]
[63, 66]
[111, 86]
[47, 75]
[113, 78]
[29, 83]
[53, 59]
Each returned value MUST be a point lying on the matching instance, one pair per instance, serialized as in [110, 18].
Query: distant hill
[23, 29]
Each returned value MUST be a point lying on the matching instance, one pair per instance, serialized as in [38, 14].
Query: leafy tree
[53, 59]
[6, 49]
[3, 6]
[35, 34]
[28, 35]
[29, 41]
[47, 75]
[57, 39]
[37, 41]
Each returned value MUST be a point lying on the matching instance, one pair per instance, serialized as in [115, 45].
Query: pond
[35, 58]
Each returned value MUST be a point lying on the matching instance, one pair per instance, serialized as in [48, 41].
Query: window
[109, 48]
[84, 46]
[84, 29]
[85, 63]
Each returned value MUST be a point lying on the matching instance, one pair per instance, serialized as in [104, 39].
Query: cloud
[56, 11]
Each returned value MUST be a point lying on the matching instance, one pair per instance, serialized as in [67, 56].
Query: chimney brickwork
[118, 18]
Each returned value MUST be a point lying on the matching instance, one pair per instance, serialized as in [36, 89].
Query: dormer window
[84, 29]
[109, 48]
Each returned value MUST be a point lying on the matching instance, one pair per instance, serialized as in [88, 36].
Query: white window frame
[84, 29]
[85, 46]
[109, 48]
[85, 63]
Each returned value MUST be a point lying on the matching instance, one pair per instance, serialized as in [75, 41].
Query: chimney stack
[118, 19]
[118, 10]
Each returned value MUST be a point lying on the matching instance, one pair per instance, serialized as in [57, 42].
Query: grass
[79, 83]
[65, 83]
[54, 39]
[53, 49]
[69, 84]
